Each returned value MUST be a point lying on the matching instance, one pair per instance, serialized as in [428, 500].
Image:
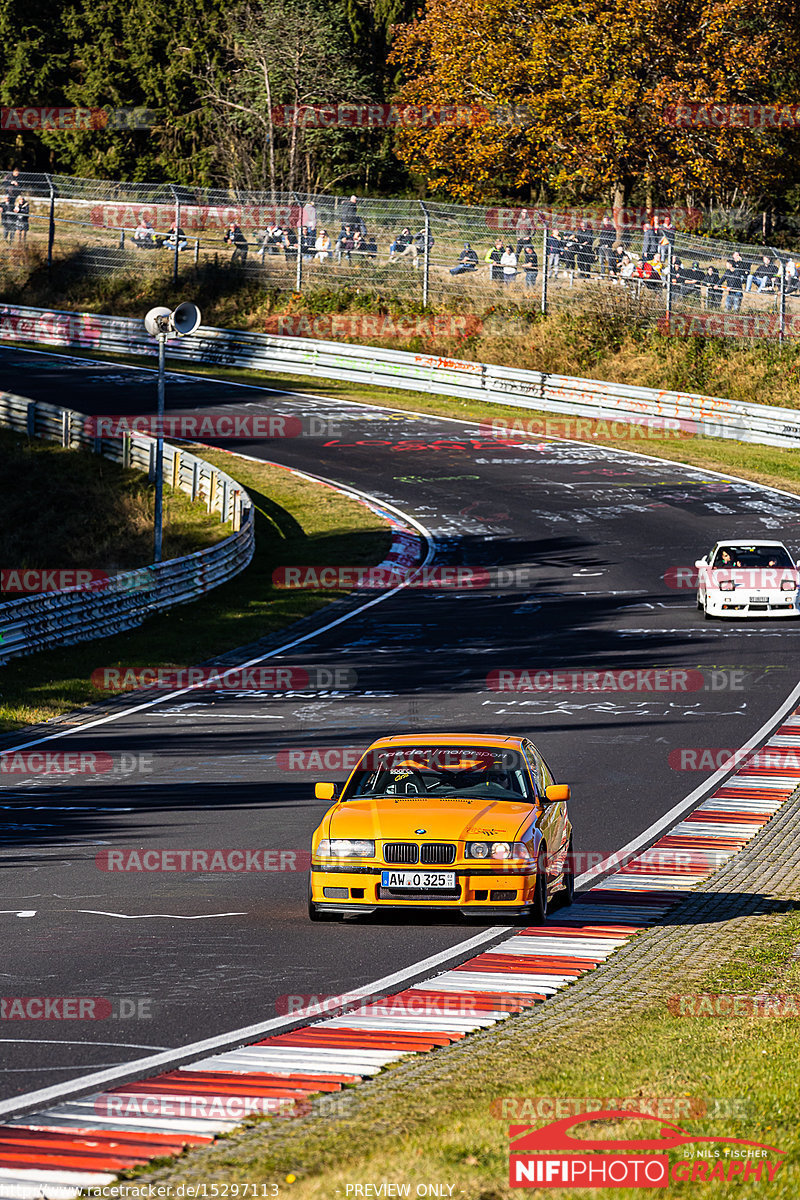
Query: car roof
[446, 739]
[744, 541]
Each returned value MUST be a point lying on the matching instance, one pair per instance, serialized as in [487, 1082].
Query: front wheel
[540, 894]
[315, 913]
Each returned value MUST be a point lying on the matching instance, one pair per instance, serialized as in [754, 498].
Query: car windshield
[752, 556]
[439, 772]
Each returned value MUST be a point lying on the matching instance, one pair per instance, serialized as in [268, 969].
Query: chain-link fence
[652, 268]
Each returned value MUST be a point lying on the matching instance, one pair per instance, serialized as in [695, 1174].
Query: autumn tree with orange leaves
[596, 78]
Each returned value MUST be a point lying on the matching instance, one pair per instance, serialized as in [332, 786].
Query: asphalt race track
[199, 954]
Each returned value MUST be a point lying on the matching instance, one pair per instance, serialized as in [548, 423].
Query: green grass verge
[450, 1129]
[297, 521]
[72, 508]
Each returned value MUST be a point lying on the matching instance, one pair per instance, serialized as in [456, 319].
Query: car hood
[754, 578]
[398, 819]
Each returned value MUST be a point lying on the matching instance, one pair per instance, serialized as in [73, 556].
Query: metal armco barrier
[705, 416]
[61, 618]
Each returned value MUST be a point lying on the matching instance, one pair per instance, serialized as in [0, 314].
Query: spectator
[606, 237]
[524, 229]
[307, 243]
[308, 219]
[349, 212]
[344, 244]
[419, 242]
[9, 221]
[22, 213]
[360, 246]
[467, 261]
[400, 243]
[289, 244]
[322, 246]
[12, 183]
[763, 275]
[649, 241]
[792, 277]
[494, 257]
[508, 261]
[713, 288]
[584, 249]
[234, 237]
[530, 264]
[144, 235]
[663, 248]
[555, 246]
[272, 241]
[618, 255]
[627, 269]
[694, 280]
[569, 251]
[732, 281]
[175, 235]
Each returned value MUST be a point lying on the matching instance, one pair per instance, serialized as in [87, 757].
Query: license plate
[759, 599]
[418, 880]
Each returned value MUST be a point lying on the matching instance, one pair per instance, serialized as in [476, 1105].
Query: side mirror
[325, 791]
[556, 793]
[700, 562]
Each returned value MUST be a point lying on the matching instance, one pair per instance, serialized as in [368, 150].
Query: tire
[315, 913]
[539, 913]
[567, 889]
[706, 614]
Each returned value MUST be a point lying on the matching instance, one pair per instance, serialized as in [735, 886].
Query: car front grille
[439, 853]
[401, 852]
[431, 896]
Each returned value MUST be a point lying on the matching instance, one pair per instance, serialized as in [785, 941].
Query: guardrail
[123, 601]
[705, 416]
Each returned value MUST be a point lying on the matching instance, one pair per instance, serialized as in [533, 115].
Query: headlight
[726, 585]
[346, 848]
[788, 585]
[497, 850]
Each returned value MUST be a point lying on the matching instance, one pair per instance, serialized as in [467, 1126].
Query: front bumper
[357, 888]
[738, 604]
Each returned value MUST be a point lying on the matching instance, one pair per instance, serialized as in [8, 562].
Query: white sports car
[748, 579]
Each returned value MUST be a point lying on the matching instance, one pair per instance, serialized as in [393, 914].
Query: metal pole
[177, 227]
[298, 279]
[782, 303]
[426, 262]
[51, 232]
[545, 268]
[669, 285]
[159, 507]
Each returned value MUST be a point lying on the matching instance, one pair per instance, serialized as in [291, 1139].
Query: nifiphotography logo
[616, 1163]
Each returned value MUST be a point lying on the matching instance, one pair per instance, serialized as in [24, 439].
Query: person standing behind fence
[494, 257]
[524, 229]
[732, 283]
[555, 244]
[508, 261]
[234, 237]
[322, 247]
[713, 288]
[530, 264]
[584, 249]
[8, 219]
[349, 212]
[606, 237]
[22, 213]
